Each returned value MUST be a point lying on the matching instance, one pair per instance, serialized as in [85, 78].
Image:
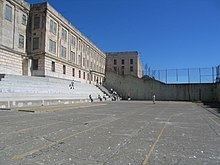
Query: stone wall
[143, 89]
[10, 63]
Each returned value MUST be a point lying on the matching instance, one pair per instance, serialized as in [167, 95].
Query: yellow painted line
[21, 156]
[146, 160]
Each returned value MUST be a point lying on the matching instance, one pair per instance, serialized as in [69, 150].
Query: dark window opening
[73, 72]
[115, 62]
[64, 69]
[84, 75]
[79, 73]
[53, 66]
[122, 61]
[35, 64]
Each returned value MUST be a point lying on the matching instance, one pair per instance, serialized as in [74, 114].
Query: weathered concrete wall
[140, 89]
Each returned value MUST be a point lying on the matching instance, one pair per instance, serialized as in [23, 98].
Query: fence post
[177, 75]
[188, 76]
[200, 78]
[213, 76]
[166, 75]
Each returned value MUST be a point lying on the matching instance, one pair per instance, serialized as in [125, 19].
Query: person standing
[154, 98]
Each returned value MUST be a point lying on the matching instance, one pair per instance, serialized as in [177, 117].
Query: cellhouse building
[124, 63]
[13, 26]
[36, 40]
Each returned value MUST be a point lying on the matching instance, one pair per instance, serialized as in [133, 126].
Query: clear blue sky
[167, 33]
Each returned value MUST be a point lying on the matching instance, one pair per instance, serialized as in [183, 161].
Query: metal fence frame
[186, 75]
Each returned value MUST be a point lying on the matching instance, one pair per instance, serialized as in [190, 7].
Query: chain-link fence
[187, 75]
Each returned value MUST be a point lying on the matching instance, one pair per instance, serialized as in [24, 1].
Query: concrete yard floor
[111, 133]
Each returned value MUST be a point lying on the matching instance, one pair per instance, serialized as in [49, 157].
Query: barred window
[53, 27]
[21, 41]
[36, 22]
[8, 13]
[64, 34]
[72, 41]
[24, 19]
[52, 46]
[72, 56]
[63, 52]
[36, 43]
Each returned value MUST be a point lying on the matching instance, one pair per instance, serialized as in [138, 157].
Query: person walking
[154, 98]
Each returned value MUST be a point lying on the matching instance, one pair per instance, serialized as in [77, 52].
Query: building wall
[126, 56]
[143, 89]
[11, 54]
[87, 58]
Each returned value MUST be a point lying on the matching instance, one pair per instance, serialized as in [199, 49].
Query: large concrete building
[36, 40]
[13, 24]
[58, 49]
[124, 63]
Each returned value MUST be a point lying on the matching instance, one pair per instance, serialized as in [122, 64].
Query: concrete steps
[26, 88]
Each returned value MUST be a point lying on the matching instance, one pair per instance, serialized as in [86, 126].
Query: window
[21, 41]
[52, 46]
[122, 61]
[8, 13]
[35, 64]
[73, 72]
[91, 65]
[79, 73]
[35, 43]
[64, 34]
[53, 66]
[115, 62]
[87, 76]
[115, 69]
[131, 61]
[84, 75]
[72, 41]
[84, 61]
[36, 22]
[131, 69]
[72, 56]
[63, 52]
[24, 19]
[53, 27]
[123, 70]
[87, 63]
[79, 45]
[64, 69]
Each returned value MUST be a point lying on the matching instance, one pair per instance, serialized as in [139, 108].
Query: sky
[168, 34]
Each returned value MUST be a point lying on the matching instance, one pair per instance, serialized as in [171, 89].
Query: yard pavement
[114, 133]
